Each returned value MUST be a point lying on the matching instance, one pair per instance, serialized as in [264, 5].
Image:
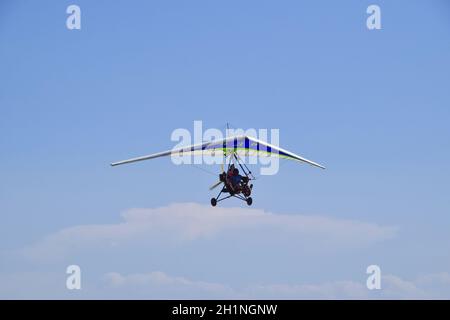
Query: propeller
[219, 182]
[215, 185]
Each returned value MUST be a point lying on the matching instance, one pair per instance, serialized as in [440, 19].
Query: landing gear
[249, 201]
[213, 202]
[246, 191]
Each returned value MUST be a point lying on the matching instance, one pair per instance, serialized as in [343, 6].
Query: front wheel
[249, 201]
[213, 202]
[247, 191]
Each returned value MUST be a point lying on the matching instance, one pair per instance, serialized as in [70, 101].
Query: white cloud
[177, 224]
[394, 287]
[329, 290]
[161, 285]
[172, 228]
[176, 237]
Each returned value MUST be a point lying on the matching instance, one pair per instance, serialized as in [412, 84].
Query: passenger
[236, 179]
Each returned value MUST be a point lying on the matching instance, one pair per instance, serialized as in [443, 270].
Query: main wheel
[249, 201]
[213, 202]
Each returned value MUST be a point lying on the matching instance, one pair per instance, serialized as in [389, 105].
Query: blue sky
[372, 106]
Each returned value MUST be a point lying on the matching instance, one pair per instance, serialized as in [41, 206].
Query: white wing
[237, 143]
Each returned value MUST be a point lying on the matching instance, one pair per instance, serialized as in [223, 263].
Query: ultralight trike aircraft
[234, 183]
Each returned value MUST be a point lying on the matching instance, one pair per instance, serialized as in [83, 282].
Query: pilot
[230, 171]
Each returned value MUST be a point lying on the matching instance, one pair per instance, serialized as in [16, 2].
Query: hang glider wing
[242, 145]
